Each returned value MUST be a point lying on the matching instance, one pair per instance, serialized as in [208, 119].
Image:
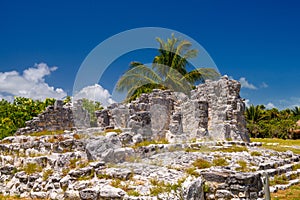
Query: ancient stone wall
[213, 111]
[57, 117]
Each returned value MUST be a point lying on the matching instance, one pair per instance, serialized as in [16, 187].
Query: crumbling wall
[214, 111]
[57, 117]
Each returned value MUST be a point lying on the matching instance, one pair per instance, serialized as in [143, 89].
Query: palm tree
[168, 70]
[296, 111]
[254, 114]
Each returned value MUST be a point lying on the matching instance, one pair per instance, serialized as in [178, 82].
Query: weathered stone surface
[193, 189]
[89, 194]
[110, 192]
[214, 111]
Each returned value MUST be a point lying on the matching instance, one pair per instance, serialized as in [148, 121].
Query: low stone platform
[90, 164]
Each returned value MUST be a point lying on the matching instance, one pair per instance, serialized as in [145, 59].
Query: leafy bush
[14, 115]
[272, 123]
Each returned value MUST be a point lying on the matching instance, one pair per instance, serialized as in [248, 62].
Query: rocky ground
[113, 164]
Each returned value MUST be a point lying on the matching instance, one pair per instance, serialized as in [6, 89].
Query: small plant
[73, 163]
[202, 149]
[148, 142]
[234, 148]
[192, 171]
[279, 180]
[47, 173]
[65, 171]
[243, 166]
[206, 188]
[103, 176]
[133, 193]
[220, 162]
[295, 167]
[46, 132]
[159, 187]
[87, 177]
[31, 168]
[201, 164]
[255, 153]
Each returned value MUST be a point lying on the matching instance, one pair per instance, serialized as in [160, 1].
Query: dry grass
[292, 193]
[280, 144]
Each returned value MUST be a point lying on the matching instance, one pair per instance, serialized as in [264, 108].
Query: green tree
[14, 115]
[296, 111]
[91, 107]
[168, 70]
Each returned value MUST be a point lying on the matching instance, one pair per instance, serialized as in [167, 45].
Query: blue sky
[43, 43]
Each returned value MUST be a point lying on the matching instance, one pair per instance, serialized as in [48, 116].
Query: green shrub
[234, 148]
[255, 153]
[31, 168]
[201, 163]
[220, 162]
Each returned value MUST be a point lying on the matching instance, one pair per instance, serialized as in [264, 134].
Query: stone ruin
[213, 111]
[58, 117]
[107, 163]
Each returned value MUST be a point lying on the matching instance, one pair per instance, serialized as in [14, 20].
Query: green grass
[202, 149]
[31, 168]
[234, 148]
[46, 132]
[295, 167]
[255, 153]
[201, 164]
[282, 146]
[192, 171]
[148, 142]
[292, 193]
[279, 180]
[47, 174]
[220, 162]
[159, 187]
[243, 166]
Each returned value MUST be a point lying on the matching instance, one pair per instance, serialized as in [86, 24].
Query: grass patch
[220, 162]
[31, 168]
[47, 174]
[255, 153]
[202, 149]
[234, 148]
[292, 193]
[133, 193]
[87, 177]
[192, 171]
[148, 142]
[283, 145]
[295, 167]
[243, 166]
[201, 164]
[279, 180]
[46, 132]
[159, 187]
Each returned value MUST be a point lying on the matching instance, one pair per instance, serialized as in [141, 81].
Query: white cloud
[289, 103]
[247, 102]
[270, 105]
[95, 93]
[264, 85]
[246, 84]
[30, 84]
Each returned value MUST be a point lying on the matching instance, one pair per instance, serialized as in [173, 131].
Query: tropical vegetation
[13, 115]
[272, 123]
[168, 70]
